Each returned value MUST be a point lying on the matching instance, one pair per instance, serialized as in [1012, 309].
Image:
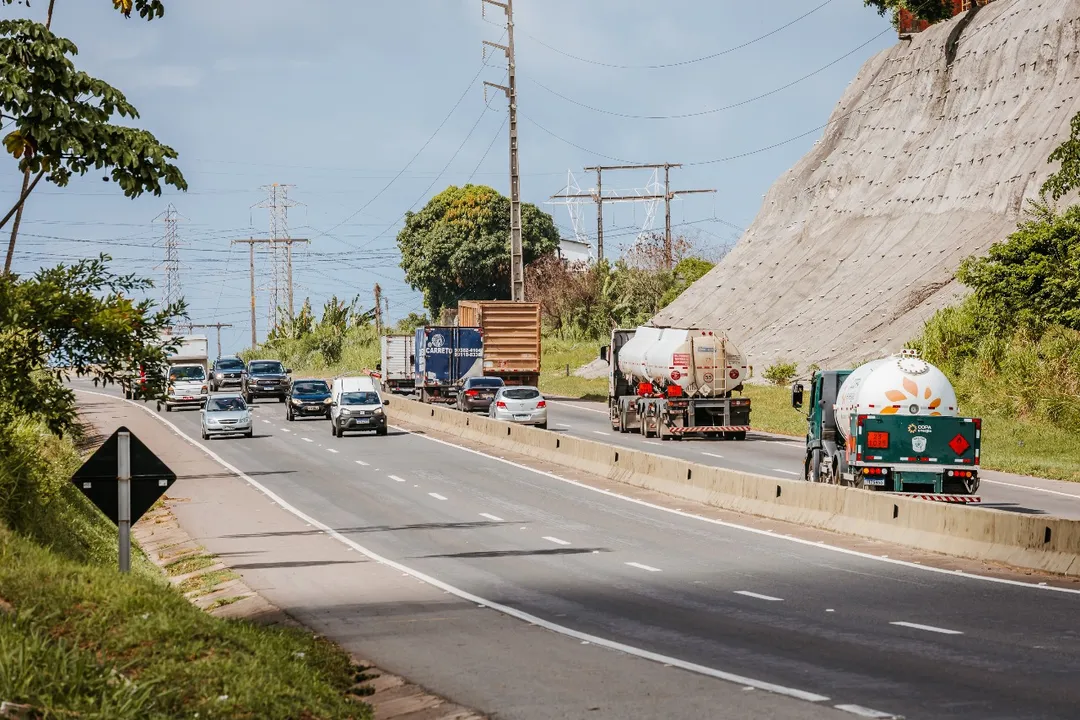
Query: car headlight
[218, 375]
[378, 411]
[346, 411]
[327, 401]
[296, 401]
[211, 421]
[170, 389]
[203, 390]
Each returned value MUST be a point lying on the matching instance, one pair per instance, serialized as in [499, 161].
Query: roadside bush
[781, 373]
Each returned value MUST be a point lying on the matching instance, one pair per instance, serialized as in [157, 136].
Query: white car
[355, 404]
[520, 404]
[226, 414]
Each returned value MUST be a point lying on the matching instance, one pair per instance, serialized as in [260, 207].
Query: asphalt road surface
[782, 457]
[767, 611]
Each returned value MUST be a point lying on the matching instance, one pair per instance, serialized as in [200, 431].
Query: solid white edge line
[786, 472]
[437, 496]
[867, 712]
[600, 432]
[927, 628]
[713, 455]
[759, 596]
[735, 526]
[395, 477]
[555, 540]
[1032, 487]
[493, 518]
[639, 566]
[476, 599]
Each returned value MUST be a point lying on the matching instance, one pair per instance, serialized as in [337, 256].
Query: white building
[575, 251]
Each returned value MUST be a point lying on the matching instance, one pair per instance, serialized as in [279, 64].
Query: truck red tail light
[877, 440]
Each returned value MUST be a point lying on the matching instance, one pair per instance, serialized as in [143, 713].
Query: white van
[355, 404]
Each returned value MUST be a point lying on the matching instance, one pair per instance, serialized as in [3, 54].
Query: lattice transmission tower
[280, 246]
[172, 289]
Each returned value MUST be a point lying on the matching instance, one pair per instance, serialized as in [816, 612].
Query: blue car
[307, 398]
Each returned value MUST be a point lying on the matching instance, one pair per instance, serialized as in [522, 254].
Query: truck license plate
[875, 482]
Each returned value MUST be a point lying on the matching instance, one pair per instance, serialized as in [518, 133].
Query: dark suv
[308, 398]
[265, 378]
[226, 372]
[477, 393]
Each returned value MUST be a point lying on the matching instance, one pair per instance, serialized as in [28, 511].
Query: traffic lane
[441, 476]
[782, 457]
[414, 629]
[544, 588]
[760, 453]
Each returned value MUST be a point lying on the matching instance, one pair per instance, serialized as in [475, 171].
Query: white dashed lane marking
[437, 496]
[361, 462]
[927, 628]
[555, 540]
[747, 593]
[639, 566]
[493, 518]
[395, 477]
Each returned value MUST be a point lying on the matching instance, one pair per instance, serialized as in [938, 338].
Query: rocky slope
[929, 157]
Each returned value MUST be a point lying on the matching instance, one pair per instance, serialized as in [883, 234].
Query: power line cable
[710, 111]
[748, 43]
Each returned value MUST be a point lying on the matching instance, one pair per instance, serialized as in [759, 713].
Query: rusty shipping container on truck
[511, 333]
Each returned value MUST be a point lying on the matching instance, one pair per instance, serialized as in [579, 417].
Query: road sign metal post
[123, 497]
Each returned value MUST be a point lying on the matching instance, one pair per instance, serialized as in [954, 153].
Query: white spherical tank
[902, 384]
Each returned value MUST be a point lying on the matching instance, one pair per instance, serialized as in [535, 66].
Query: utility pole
[207, 326]
[378, 310]
[251, 243]
[173, 291]
[517, 265]
[599, 198]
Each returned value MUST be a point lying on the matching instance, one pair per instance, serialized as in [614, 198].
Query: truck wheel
[814, 467]
[741, 435]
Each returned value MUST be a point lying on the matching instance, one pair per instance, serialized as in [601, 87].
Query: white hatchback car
[520, 404]
[226, 414]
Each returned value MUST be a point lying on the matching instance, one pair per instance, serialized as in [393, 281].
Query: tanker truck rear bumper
[667, 418]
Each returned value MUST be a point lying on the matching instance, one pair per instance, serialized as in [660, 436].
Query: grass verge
[77, 638]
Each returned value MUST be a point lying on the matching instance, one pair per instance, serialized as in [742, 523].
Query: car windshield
[359, 398]
[226, 404]
[266, 368]
[309, 388]
[486, 382]
[230, 364]
[189, 372]
[521, 393]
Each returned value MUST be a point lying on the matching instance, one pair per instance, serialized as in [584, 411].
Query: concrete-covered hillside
[923, 163]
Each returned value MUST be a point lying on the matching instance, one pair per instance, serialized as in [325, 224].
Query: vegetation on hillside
[929, 10]
[458, 246]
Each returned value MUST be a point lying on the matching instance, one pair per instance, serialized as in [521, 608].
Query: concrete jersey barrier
[1031, 542]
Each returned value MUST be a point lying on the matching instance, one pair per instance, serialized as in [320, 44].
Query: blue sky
[337, 97]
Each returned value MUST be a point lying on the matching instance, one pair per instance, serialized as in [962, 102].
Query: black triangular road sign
[150, 477]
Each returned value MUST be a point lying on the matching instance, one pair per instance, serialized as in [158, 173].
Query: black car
[477, 393]
[265, 378]
[226, 372]
[308, 398]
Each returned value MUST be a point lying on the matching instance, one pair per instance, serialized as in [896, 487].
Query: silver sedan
[519, 404]
[226, 414]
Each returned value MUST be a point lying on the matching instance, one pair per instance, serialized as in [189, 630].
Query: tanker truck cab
[891, 425]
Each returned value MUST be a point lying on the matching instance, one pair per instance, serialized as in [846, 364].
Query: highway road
[780, 456]
[876, 638]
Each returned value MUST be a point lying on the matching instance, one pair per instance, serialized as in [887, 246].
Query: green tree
[687, 272]
[458, 246]
[1032, 279]
[76, 320]
[929, 10]
[409, 323]
[63, 117]
[1067, 178]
